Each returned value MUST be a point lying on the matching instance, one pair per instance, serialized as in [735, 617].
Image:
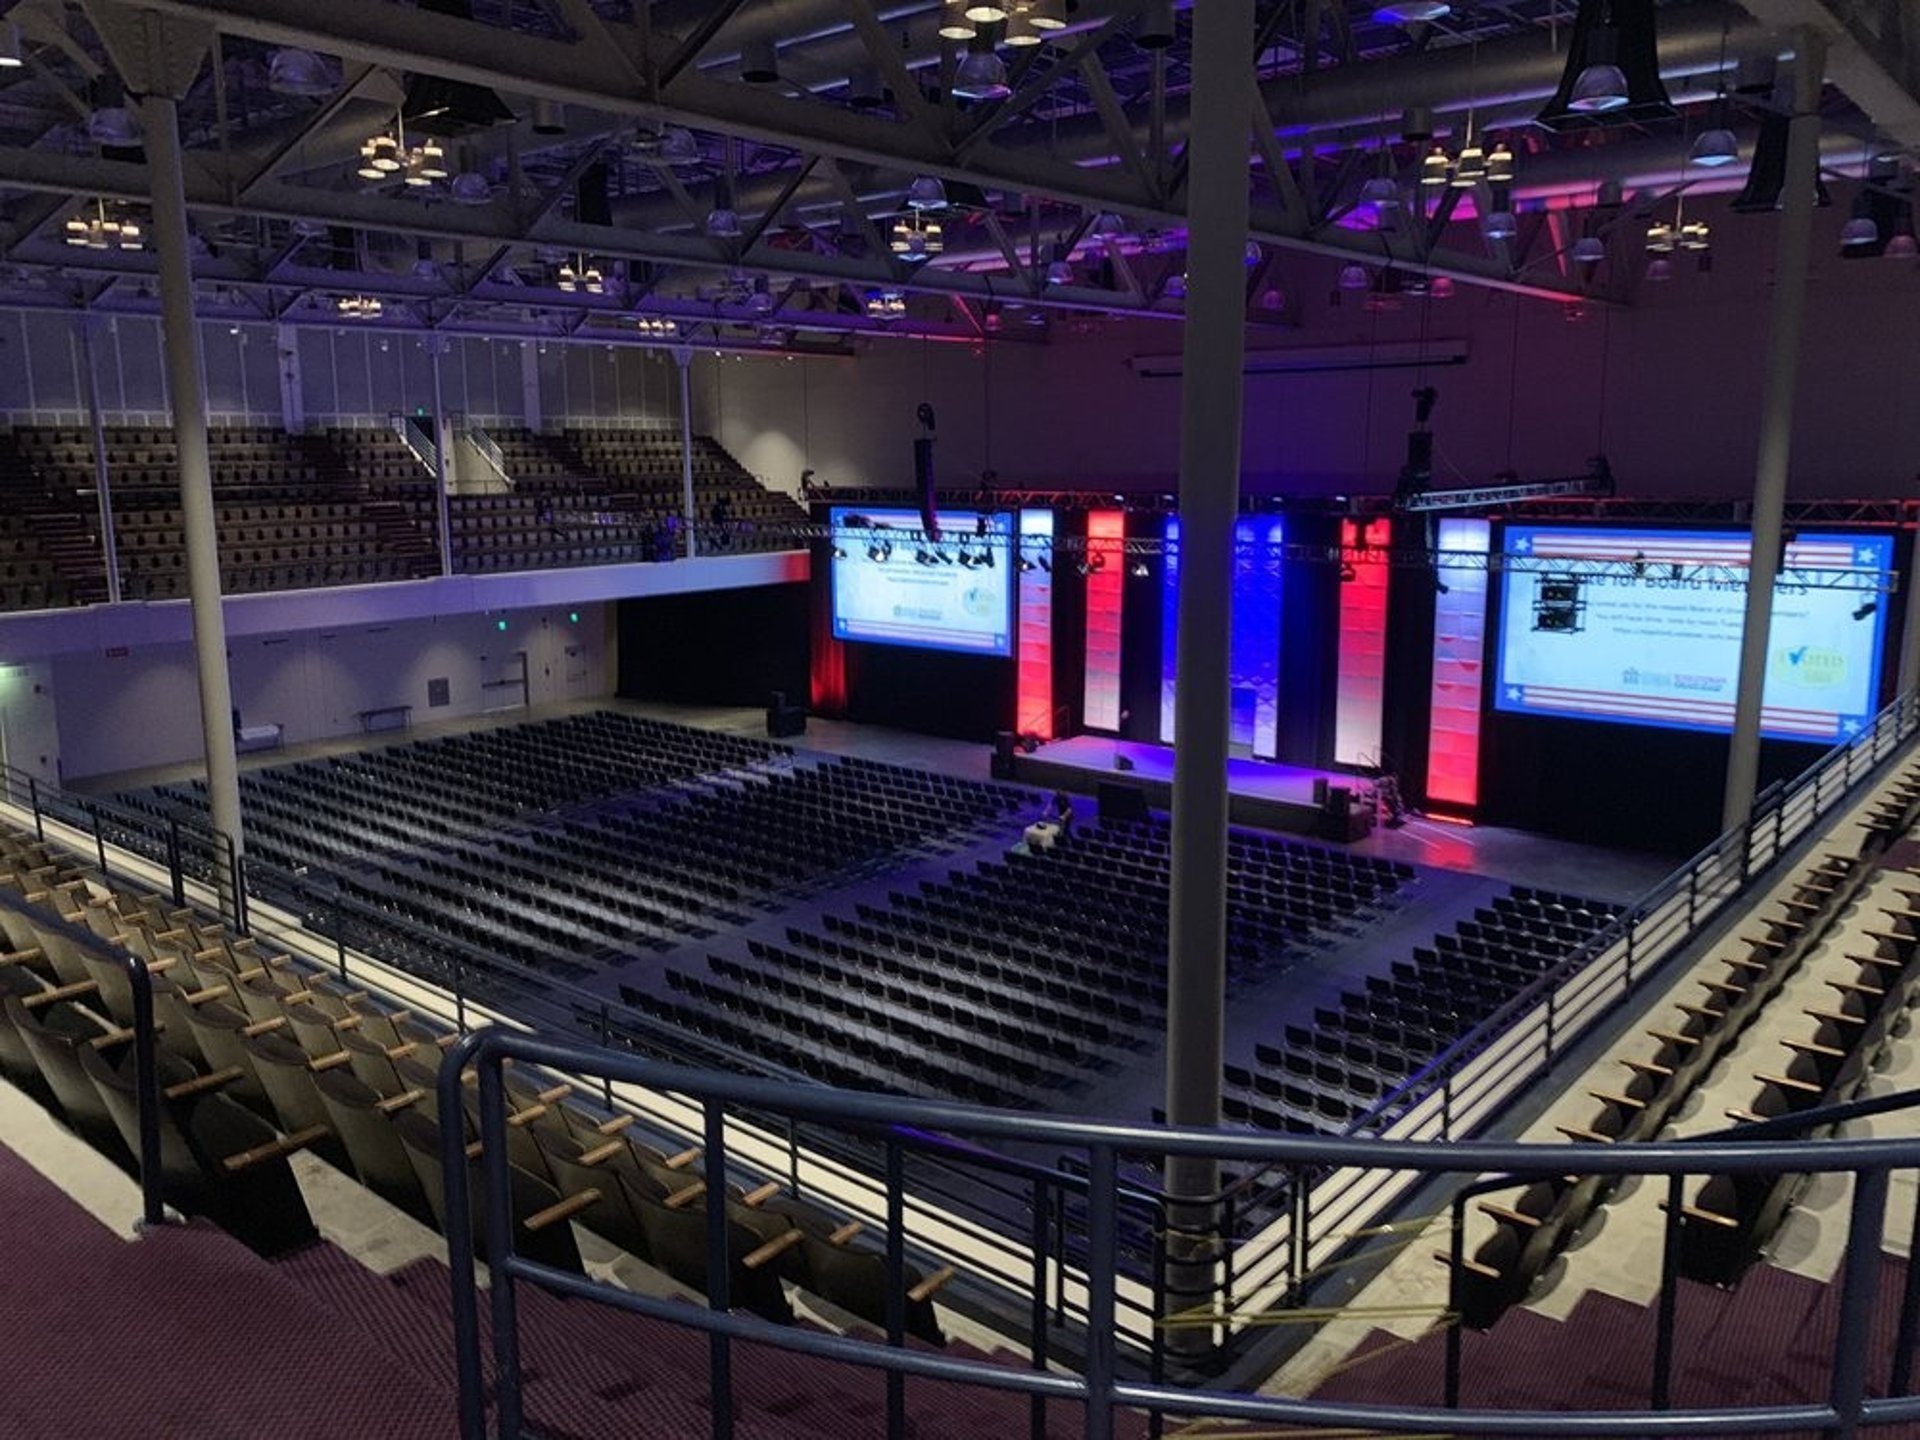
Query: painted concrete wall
[1669, 388]
[120, 712]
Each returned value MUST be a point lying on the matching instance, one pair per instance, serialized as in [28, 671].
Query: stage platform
[1261, 793]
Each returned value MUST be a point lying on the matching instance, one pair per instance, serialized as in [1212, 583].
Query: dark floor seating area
[1010, 982]
[423, 794]
[1326, 1075]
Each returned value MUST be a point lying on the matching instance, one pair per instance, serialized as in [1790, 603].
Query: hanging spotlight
[1500, 164]
[1048, 15]
[954, 24]
[1660, 269]
[982, 75]
[1355, 277]
[864, 90]
[291, 71]
[1434, 167]
[759, 62]
[985, 12]
[1716, 145]
[1470, 167]
[1060, 269]
[1601, 84]
[1411, 12]
[1901, 245]
[678, 147]
[1021, 32]
[1499, 225]
[1589, 250]
[1155, 30]
[1380, 192]
[723, 221]
[1861, 229]
[927, 192]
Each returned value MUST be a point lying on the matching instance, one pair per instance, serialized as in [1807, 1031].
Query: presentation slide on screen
[1656, 639]
[956, 595]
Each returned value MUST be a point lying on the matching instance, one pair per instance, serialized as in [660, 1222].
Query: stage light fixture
[1500, 164]
[927, 192]
[1499, 225]
[982, 75]
[1411, 12]
[1380, 192]
[1589, 250]
[1434, 167]
[1866, 610]
[1602, 85]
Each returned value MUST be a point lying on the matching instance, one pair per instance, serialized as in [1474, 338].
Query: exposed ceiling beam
[369, 30]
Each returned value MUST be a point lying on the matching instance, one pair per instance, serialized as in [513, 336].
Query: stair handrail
[1100, 1386]
[416, 438]
[488, 448]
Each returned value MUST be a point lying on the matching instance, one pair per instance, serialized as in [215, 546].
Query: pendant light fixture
[1717, 145]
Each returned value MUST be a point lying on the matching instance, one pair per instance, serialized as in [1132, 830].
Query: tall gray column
[102, 479]
[187, 384]
[1909, 671]
[683, 357]
[1215, 345]
[442, 458]
[1776, 422]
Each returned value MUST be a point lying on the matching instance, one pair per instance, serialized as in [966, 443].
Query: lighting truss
[856, 538]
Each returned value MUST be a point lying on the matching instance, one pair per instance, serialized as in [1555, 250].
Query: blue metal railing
[1100, 1386]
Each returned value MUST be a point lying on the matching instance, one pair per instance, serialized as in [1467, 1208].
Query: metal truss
[962, 544]
[650, 78]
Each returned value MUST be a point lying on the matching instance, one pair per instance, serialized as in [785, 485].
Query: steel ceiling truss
[602, 78]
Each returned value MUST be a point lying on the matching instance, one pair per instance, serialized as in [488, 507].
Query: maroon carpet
[184, 1332]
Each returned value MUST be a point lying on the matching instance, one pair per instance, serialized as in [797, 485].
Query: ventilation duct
[1610, 33]
[591, 205]
[1767, 175]
[435, 105]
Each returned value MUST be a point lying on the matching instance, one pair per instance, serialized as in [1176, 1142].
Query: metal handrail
[425, 449]
[1100, 1387]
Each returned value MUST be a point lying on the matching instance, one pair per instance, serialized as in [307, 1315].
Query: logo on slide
[1809, 665]
[978, 601]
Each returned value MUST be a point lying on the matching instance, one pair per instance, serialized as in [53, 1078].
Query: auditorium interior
[817, 719]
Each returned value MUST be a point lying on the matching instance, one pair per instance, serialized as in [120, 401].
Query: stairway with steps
[592, 1370]
[1767, 1341]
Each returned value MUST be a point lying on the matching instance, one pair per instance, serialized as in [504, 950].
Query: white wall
[1668, 387]
[29, 724]
[126, 712]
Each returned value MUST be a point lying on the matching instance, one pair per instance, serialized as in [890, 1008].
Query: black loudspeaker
[783, 719]
[923, 486]
[1320, 790]
[1003, 754]
[1122, 802]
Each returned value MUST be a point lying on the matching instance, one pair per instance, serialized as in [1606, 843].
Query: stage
[1262, 793]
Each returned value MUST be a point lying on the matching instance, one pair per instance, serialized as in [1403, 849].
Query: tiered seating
[286, 517]
[645, 466]
[261, 1056]
[1529, 1228]
[1325, 1076]
[1728, 1218]
[1010, 982]
[543, 529]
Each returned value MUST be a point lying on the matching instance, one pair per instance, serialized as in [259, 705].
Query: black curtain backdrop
[933, 692]
[716, 647]
[1309, 646]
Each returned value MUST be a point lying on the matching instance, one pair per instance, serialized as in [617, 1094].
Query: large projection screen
[1658, 643]
[892, 589]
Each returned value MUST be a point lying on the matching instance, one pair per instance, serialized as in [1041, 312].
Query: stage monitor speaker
[783, 719]
[1122, 802]
[1003, 743]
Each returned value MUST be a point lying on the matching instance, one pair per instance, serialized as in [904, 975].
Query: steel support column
[683, 357]
[102, 479]
[1776, 422]
[1209, 501]
[187, 385]
[442, 458]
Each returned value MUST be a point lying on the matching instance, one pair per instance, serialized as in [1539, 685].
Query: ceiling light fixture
[1156, 27]
[104, 230]
[298, 72]
[927, 192]
[12, 56]
[1411, 12]
[954, 24]
[359, 307]
[1589, 250]
[1354, 277]
[982, 75]
[1602, 84]
[580, 276]
[1434, 167]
